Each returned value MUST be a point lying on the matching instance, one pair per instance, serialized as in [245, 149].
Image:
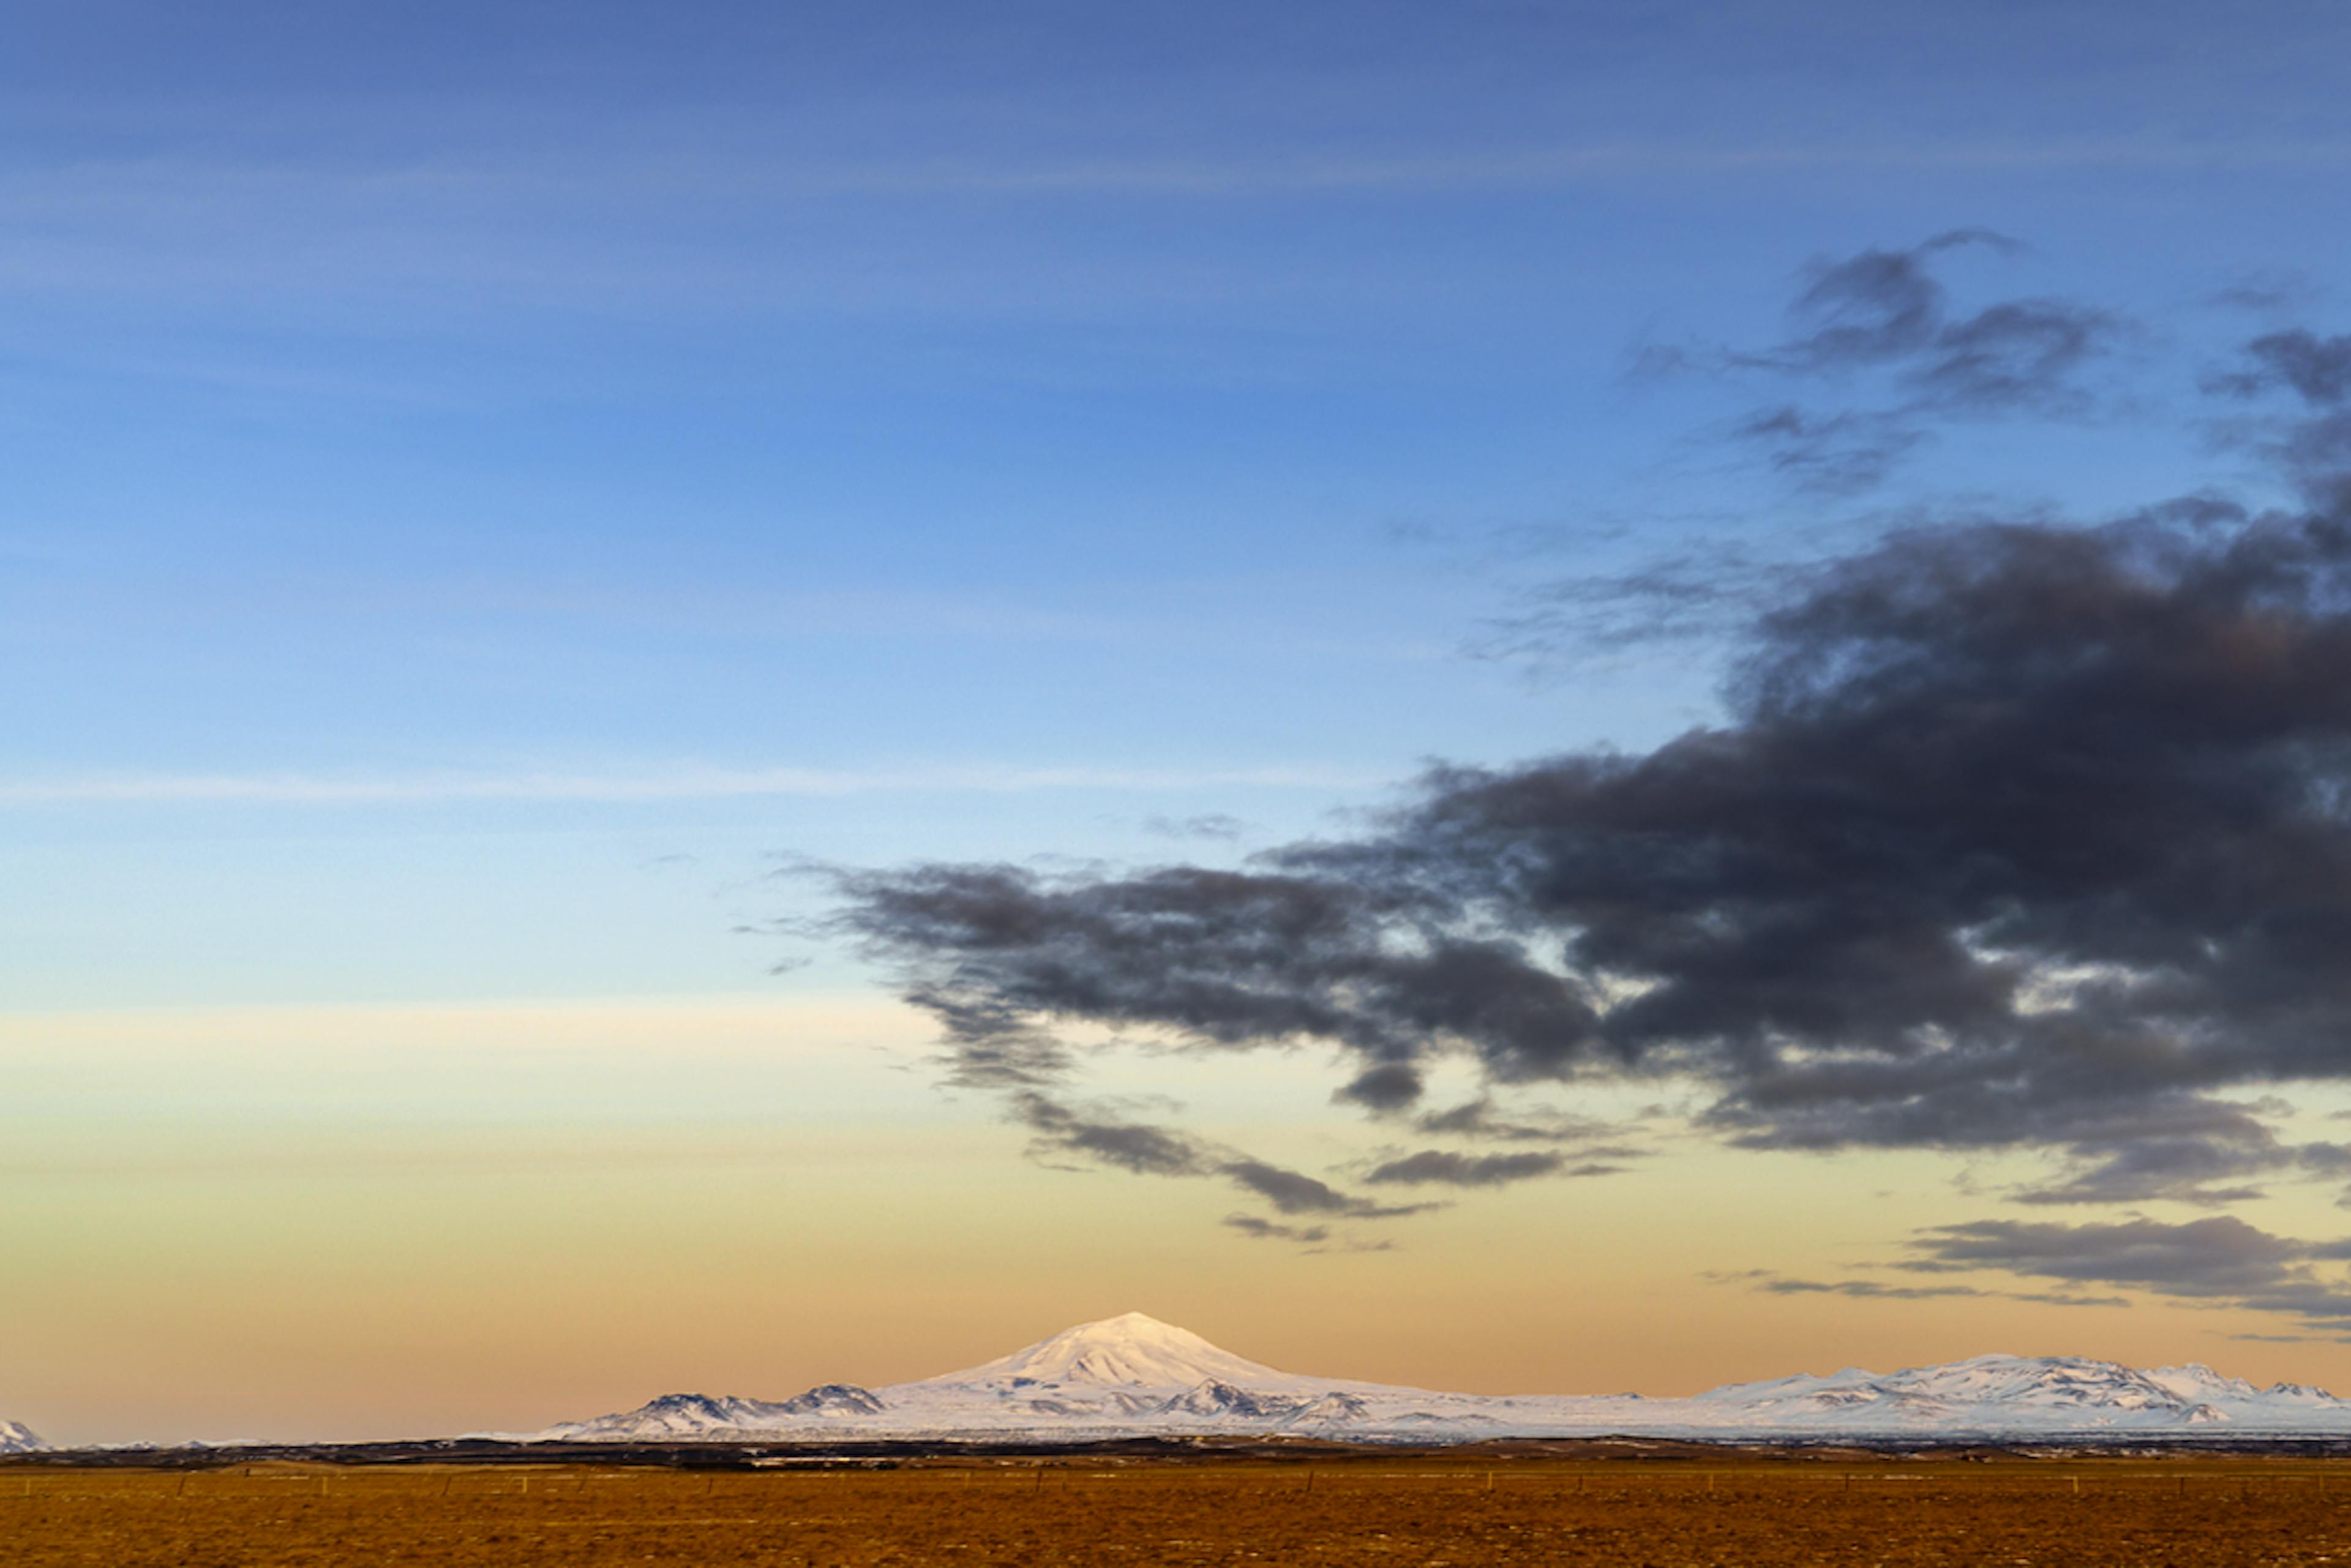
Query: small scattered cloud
[1309, 1239]
[2266, 293]
[1481, 1120]
[1292, 1192]
[1262, 1229]
[1137, 1148]
[1868, 1290]
[1390, 1086]
[1447, 1167]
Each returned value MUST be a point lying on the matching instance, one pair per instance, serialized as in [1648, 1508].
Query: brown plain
[2181, 1513]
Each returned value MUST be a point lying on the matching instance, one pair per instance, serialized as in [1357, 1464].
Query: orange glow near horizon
[368, 1223]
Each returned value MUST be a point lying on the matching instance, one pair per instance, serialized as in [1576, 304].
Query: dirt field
[2150, 1514]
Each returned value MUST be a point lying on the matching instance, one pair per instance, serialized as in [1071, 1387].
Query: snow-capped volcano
[1126, 1373]
[1127, 1351]
[16, 1438]
[1134, 1374]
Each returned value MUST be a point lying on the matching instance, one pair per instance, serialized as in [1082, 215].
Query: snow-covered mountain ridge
[16, 1438]
[1134, 1374]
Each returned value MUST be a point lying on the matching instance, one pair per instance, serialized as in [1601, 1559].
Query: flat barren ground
[2174, 1513]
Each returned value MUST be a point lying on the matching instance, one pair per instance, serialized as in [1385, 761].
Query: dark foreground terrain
[1457, 1510]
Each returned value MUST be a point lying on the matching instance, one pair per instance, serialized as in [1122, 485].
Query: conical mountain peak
[1133, 1350]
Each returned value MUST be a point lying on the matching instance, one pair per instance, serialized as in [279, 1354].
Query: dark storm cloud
[2221, 1259]
[2012, 835]
[1226, 958]
[2016, 834]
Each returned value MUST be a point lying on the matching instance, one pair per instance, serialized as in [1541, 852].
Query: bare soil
[2174, 1513]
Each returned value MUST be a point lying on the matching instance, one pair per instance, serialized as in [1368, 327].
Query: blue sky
[479, 483]
[611, 392]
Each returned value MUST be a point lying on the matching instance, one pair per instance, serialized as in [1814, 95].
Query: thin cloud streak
[561, 173]
[1591, 161]
[683, 784]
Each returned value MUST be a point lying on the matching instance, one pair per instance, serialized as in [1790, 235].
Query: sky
[1524, 698]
